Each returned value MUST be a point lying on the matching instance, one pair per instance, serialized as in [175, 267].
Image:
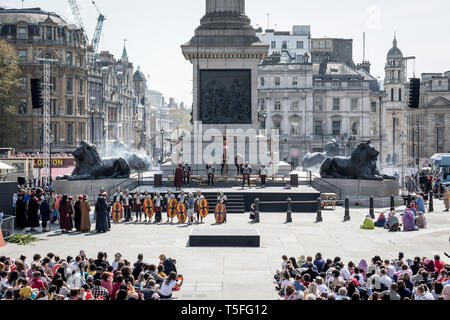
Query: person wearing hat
[246, 172]
[210, 172]
[101, 211]
[77, 210]
[263, 172]
[187, 173]
[85, 207]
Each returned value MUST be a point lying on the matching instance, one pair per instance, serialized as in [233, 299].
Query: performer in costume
[127, 199]
[147, 195]
[187, 173]
[263, 172]
[169, 196]
[222, 198]
[138, 199]
[197, 207]
[210, 172]
[117, 197]
[190, 209]
[246, 171]
[179, 177]
[157, 202]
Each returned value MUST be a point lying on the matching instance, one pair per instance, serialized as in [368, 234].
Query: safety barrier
[7, 225]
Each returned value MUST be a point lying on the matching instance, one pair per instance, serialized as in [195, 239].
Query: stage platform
[224, 237]
[272, 199]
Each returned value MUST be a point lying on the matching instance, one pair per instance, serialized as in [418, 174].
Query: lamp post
[162, 145]
[92, 111]
[402, 139]
[418, 149]
[438, 126]
[394, 119]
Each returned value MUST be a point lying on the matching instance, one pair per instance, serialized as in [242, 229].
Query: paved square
[247, 273]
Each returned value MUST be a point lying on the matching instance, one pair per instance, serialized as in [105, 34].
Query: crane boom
[98, 29]
[76, 14]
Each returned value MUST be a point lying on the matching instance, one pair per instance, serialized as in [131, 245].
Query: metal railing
[133, 179]
[316, 181]
[7, 225]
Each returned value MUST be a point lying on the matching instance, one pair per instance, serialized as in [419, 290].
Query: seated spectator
[368, 223]
[381, 221]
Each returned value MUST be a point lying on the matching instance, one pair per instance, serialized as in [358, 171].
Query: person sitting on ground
[165, 292]
[393, 222]
[420, 220]
[408, 221]
[381, 222]
[368, 223]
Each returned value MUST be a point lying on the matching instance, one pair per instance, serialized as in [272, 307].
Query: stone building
[332, 49]
[35, 34]
[428, 125]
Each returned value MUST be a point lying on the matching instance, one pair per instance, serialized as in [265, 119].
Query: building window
[69, 133]
[354, 104]
[69, 58]
[373, 107]
[273, 45]
[284, 45]
[277, 105]
[53, 107]
[54, 129]
[294, 81]
[262, 81]
[81, 86]
[399, 94]
[315, 44]
[263, 103]
[23, 106]
[318, 104]
[80, 107]
[277, 81]
[295, 127]
[336, 104]
[299, 44]
[355, 128]
[392, 94]
[22, 33]
[277, 124]
[69, 84]
[52, 83]
[317, 127]
[69, 107]
[23, 83]
[68, 36]
[23, 129]
[294, 106]
[373, 129]
[48, 33]
[336, 128]
[81, 133]
[22, 55]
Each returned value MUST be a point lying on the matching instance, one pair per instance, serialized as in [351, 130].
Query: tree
[9, 84]
[181, 120]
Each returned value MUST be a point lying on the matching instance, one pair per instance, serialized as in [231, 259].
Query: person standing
[169, 196]
[447, 199]
[21, 213]
[187, 173]
[127, 198]
[138, 205]
[101, 210]
[65, 212]
[239, 163]
[85, 221]
[246, 172]
[157, 202]
[178, 180]
[190, 209]
[210, 172]
[45, 213]
[78, 212]
[197, 205]
[33, 216]
[222, 199]
[263, 172]
[147, 195]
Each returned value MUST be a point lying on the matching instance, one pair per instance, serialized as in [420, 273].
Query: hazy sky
[156, 29]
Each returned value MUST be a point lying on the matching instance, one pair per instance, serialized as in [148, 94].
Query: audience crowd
[82, 278]
[332, 279]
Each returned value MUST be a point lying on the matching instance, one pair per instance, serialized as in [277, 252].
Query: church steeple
[395, 40]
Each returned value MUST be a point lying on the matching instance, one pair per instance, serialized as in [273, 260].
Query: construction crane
[98, 29]
[76, 14]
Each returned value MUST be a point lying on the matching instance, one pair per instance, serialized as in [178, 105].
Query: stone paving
[247, 273]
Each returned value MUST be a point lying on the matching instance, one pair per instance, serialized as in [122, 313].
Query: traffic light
[414, 93]
[36, 93]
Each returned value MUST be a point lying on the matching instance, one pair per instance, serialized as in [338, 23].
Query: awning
[4, 166]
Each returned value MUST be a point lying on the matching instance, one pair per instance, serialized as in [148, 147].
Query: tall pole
[437, 137]
[418, 150]
[381, 132]
[394, 117]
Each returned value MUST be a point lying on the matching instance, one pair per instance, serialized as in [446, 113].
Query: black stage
[272, 199]
[221, 237]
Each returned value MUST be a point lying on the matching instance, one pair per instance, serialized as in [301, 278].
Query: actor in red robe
[179, 177]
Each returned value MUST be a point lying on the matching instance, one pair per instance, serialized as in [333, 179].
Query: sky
[155, 29]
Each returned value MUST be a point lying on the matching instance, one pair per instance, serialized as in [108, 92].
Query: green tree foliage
[181, 120]
[9, 83]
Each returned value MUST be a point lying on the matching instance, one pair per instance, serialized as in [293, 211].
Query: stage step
[235, 203]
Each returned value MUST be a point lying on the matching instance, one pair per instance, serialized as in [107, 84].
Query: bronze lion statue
[362, 165]
[90, 166]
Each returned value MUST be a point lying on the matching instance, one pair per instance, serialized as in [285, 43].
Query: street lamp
[394, 119]
[92, 111]
[418, 150]
[438, 126]
[162, 145]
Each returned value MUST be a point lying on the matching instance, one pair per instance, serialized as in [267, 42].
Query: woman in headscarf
[420, 220]
[65, 215]
[381, 222]
[85, 207]
[101, 210]
[413, 209]
[21, 213]
[368, 223]
[393, 222]
[77, 210]
[429, 265]
[33, 207]
[408, 220]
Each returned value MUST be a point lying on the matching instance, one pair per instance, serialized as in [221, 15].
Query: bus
[440, 164]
